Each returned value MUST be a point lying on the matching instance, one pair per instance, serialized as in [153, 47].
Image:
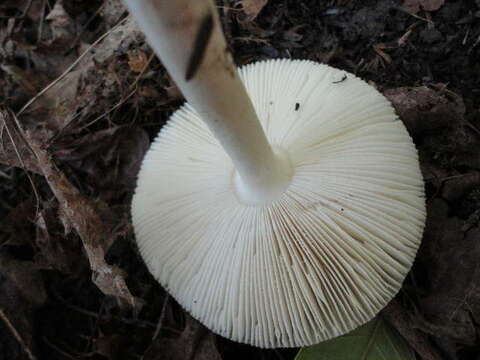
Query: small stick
[161, 318]
[16, 335]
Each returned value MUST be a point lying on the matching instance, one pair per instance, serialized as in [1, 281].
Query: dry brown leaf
[137, 60]
[414, 6]
[423, 109]
[251, 8]
[84, 218]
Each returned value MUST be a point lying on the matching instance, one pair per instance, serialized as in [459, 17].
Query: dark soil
[89, 132]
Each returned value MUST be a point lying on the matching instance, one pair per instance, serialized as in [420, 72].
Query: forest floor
[82, 96]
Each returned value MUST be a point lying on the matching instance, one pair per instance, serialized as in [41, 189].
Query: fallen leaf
[137, 60]
[414, 6]
[84, 218]
[424, 109]
[251, 8]
[369, 342]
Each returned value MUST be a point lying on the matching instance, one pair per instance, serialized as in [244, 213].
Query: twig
[56, 348]
[70, 68]
[161, 318]
[16, 335]
[84, 217]
[4, 175]
[42, 21]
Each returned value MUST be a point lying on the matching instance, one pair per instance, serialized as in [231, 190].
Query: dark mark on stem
[341, 80]
[199, 46]
[297, 106]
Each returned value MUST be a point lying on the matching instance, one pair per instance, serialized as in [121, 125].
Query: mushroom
[283, 204]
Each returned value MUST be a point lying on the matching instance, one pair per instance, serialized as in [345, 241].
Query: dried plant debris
[82, 215]
[84, 218]
[251, 8]
[425, 109]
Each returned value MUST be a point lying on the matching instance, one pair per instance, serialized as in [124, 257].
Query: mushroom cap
[322, 259]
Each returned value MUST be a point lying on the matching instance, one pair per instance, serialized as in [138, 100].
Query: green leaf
[375, 340]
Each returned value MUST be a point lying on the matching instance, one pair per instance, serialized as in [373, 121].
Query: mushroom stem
[186, 35]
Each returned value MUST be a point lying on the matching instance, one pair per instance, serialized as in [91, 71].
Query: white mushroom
[284, 228]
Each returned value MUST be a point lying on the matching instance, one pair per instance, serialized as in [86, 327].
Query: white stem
[215, 90]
